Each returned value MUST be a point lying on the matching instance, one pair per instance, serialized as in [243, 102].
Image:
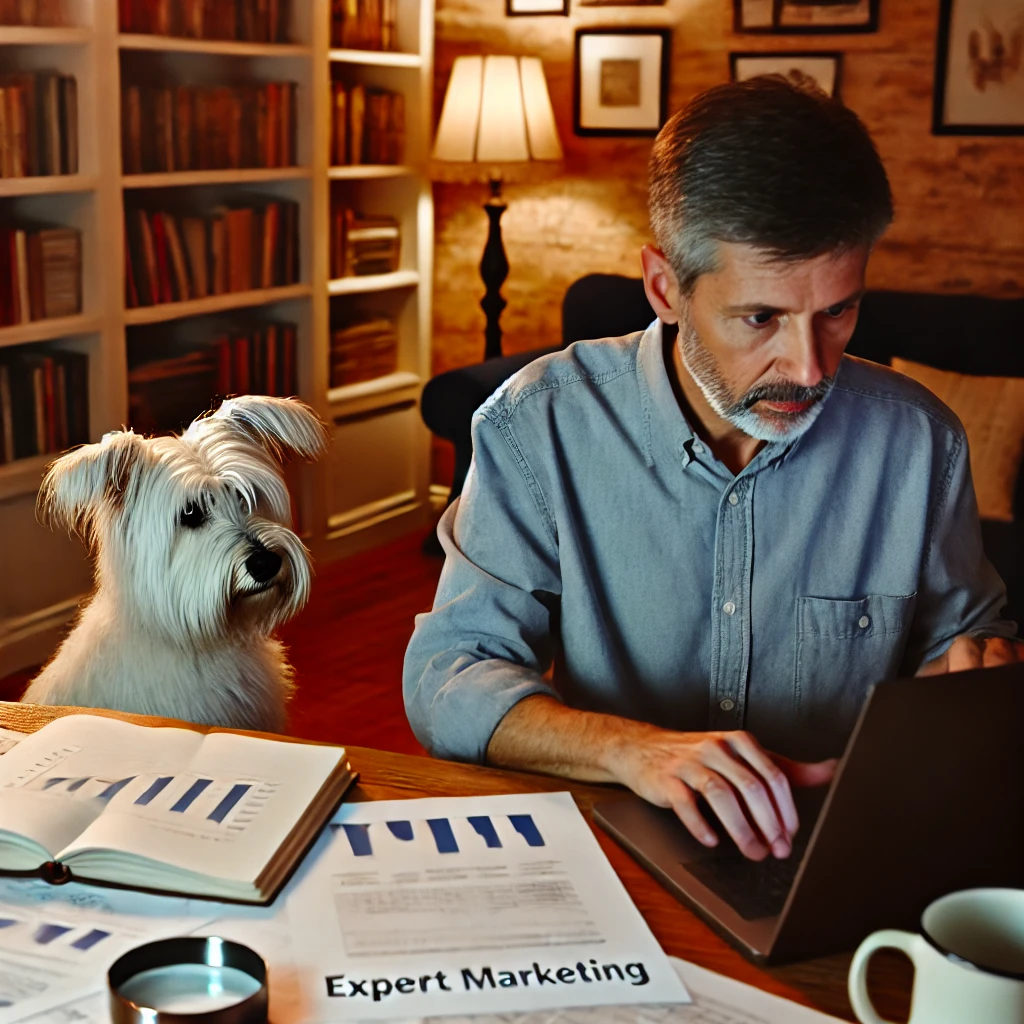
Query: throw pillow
[992, 412]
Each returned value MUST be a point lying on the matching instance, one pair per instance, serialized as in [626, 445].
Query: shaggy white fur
[196, 566]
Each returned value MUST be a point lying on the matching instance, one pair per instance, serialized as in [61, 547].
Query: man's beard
[704, 369]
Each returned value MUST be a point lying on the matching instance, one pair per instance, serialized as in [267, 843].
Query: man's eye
[838, 310]
[762, 319]
[192, 516]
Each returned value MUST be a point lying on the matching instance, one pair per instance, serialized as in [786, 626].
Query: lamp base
[493, 270]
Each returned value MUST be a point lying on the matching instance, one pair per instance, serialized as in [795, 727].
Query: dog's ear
[283, 426]
[78, 483]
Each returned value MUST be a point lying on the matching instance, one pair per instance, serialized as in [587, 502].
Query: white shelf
[373, 283]
[229, 176]
[219, 47]
[376, 58]
[47, 330]
[30, 35]
[363, 172]
[46, 185]
[378, 386]
[23, 476]
[214, 304]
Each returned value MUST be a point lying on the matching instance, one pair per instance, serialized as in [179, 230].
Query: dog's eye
[192, 516]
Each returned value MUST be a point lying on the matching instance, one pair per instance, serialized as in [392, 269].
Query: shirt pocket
[843, 647]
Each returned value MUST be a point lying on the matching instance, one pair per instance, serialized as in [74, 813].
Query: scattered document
[56, 944]
[413, 908]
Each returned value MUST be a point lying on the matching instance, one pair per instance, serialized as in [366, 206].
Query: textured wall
[960, 200]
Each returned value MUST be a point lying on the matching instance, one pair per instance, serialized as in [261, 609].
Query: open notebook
[207, 813]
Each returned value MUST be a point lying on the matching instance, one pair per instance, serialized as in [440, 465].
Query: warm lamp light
[496, 125]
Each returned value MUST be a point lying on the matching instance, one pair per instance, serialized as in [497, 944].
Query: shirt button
[728, 607]
[733, 500]
[727, 705]
[699, 448]
[863, 622]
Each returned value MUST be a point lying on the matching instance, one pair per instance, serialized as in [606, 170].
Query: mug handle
[857, 988]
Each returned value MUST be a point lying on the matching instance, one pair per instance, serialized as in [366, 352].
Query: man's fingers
[775, 778]
[719, 794]
[684, 803]
[807, 773]
[965, 653]
[999, 651]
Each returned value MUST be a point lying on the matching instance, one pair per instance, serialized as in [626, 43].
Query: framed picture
[979, 68]
[823, 68]
[794, 17]
[524, 7]
[621, 80]
[620, 3]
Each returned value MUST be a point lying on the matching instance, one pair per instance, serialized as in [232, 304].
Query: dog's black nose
[263, 565]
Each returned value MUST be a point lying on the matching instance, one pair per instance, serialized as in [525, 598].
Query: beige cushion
[992, 412]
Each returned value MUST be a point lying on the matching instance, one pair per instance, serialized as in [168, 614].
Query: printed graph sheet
[468, 904]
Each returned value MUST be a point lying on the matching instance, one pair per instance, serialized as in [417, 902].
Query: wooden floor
[347, 647]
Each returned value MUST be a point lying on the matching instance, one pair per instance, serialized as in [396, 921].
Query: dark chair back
[604, 306]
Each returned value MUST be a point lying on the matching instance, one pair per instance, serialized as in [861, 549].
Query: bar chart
[445, 835]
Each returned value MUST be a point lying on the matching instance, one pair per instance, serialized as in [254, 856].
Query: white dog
[195, 567]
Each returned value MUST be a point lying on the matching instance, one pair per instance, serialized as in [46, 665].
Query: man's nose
[800, 360]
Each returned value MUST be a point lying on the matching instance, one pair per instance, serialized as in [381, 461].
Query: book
[199, 811]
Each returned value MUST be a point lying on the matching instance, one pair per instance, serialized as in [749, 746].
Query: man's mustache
[787, 391]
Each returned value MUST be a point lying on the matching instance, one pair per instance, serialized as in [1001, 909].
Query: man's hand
[968, 652]
[747, 788]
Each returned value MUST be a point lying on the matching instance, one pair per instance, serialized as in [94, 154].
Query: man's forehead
[749, 277]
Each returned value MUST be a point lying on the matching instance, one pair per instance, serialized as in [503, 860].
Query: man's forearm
[541, 734]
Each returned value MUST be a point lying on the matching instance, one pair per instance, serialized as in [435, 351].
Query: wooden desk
[385, 776]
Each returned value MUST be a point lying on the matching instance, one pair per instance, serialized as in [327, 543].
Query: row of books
[367, 125]
[247, 21]
[44, 13]
[44, 401]
[363, 347]
[38, 124]
[363, 245]
[40, 274]
[165, 394]
[364, 24]
[175, 257]
[188, 128]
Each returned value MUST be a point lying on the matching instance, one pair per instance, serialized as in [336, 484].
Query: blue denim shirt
[596, 530]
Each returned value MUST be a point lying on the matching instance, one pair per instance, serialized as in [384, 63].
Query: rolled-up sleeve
[960, 591]
[489, 637]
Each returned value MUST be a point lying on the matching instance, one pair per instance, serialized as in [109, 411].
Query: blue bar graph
[484, 827]
[50, 783]
[401, 830]
[524, 825]
[114, 788]
[46, 933]
[443, 835]
[221, 811]
[78, 784]
[185, 800]
[6, 922]
[358, 839]
[90, 939]
[154, 790]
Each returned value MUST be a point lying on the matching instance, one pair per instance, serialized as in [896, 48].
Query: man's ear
[661, 284]
[283, 426]
[78, 483]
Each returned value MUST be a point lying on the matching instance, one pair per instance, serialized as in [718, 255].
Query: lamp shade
[496, 120]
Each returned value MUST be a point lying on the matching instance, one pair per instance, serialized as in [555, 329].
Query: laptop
[928, 798]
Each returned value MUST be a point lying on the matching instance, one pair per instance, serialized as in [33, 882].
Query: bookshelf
[374, 482]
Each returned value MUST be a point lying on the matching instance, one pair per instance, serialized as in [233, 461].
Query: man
[722, 531]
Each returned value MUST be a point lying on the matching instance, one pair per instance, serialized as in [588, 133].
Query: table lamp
[496, 125]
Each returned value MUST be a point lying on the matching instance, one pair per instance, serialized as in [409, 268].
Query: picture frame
[979, 80]
[620, 81]
[532, 8]
[805, 17]
[825, 67]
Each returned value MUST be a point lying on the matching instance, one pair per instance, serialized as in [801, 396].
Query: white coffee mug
[968, 961]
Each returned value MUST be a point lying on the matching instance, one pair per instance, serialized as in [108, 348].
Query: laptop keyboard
[753, 889]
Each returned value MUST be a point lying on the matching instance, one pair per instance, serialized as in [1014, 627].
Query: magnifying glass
[189, 980]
